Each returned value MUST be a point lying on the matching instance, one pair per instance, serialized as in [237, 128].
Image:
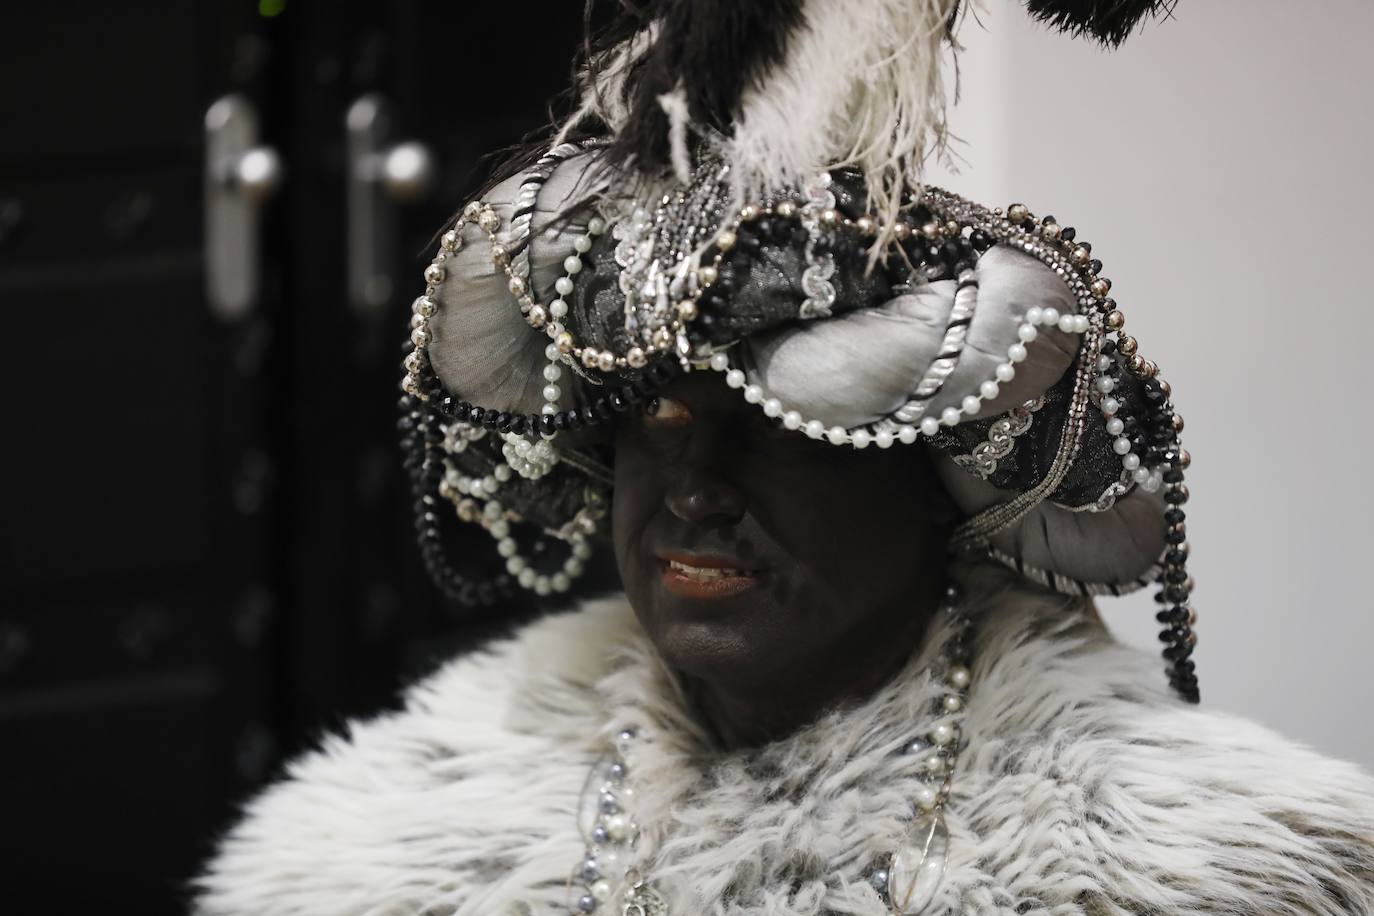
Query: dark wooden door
[205, 551]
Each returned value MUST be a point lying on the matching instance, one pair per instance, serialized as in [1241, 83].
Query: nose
[703, 498]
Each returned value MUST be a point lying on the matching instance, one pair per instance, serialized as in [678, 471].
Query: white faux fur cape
[1085, 789]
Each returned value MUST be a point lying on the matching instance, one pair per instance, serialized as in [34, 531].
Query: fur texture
[1086, 790]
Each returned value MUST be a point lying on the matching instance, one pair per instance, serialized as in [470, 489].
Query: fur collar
[1085, 789]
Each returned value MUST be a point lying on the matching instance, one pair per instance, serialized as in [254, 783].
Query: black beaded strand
[1162, 449]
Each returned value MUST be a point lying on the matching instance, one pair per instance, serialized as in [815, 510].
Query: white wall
[1220, 163]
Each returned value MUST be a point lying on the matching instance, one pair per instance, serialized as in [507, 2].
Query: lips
[705, 576]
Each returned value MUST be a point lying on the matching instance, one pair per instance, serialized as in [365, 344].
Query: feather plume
[786, 90]
[1109, 21]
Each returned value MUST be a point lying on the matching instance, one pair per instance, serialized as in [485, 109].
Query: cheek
[859, 532]
[638, 493]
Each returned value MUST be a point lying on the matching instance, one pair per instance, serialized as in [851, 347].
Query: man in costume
[864, 452]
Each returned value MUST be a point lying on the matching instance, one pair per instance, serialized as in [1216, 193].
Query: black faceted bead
[1174, 516]
[1177, 594]
[1068, 233]
[474, 415]
[573, 418]
[1095, 266]
[490, 419]
[589, 416]
[1178, 653]
[1176, 495]
[1176, 576]
[1173, 475]
[546, 424]
[560, 421]
[1177, 556]
[503, 421]
[617, 402]
[1176, 535]
[519, 424]
[980, 240]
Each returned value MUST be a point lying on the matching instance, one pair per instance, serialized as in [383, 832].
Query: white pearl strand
[1132, 470]
[492, 517]
[887, 432]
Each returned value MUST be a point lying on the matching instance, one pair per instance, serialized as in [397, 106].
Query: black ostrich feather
[1109, 21]
[713, 50]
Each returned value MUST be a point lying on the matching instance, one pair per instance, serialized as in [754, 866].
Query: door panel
[206, 553]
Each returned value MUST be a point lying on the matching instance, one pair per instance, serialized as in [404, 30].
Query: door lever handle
[381, 174]
[240, 176]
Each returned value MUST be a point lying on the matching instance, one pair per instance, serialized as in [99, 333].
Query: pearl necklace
[611, 877]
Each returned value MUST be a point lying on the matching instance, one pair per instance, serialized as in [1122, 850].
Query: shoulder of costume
[1080, 763]
[377, 813]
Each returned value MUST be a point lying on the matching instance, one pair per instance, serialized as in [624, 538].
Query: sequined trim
[982, 461]
[820, 266]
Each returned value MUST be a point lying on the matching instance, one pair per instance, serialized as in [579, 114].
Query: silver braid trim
[951, 348]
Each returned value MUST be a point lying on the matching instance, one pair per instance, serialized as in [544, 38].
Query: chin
[719, 650]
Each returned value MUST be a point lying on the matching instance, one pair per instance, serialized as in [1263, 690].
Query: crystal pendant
[919, 865]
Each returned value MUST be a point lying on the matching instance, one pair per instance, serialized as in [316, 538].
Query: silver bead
[425, 306]
[434, 275]
[488, 220]
[472, 210]
[726, 240]
[451, 240]
[635, 358]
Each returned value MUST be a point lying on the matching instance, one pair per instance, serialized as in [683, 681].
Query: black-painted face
[752, 554]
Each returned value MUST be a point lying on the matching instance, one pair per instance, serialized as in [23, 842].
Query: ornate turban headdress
[738, 191]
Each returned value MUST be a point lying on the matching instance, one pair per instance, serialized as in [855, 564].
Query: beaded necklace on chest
[613, 877]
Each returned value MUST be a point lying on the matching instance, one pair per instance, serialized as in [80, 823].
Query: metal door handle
[380, 174]
[240, 176]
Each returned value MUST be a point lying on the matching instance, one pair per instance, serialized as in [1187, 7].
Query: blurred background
[212, 219]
